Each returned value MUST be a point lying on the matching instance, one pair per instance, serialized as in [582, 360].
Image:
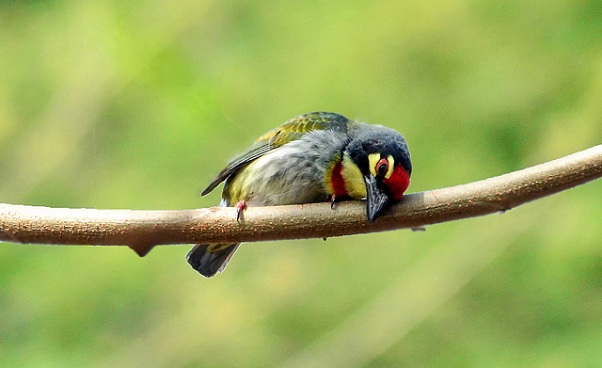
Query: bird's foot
[332, 199]
[241, 206]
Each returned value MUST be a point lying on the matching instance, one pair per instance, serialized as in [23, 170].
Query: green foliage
[139, 104]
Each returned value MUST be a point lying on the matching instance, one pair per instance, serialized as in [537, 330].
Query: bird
[313, 157]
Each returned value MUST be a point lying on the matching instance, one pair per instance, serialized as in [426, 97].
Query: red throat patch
[337, 181]
[398, 182]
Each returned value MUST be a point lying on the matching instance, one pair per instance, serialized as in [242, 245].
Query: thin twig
[141, 230]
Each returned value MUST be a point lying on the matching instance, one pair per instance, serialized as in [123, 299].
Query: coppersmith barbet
[313, 157]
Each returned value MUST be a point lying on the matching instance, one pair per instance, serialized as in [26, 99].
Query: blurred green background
[139, 104]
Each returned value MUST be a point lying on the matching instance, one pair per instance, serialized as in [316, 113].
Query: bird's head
[377, 166]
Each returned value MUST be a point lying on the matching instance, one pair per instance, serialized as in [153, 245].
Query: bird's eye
[382, 167]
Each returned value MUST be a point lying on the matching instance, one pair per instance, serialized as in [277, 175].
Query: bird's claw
[332, 199]
[240, 207]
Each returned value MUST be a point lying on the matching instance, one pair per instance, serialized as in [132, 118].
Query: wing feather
[290, 131]
[237, 164]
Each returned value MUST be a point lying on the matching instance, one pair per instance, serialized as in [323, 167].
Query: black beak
[376, 199]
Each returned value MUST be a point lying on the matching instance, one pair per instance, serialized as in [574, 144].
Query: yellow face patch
[391, 166]
[354, 180]
[374, 160]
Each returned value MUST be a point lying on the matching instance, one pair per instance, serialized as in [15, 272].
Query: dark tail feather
[209, 259]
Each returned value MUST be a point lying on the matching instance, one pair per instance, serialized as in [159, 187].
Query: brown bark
[141, 230]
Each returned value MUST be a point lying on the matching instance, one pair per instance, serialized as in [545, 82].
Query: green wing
[291, 130]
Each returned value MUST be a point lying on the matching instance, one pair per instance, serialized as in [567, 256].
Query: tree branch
[141, 230]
